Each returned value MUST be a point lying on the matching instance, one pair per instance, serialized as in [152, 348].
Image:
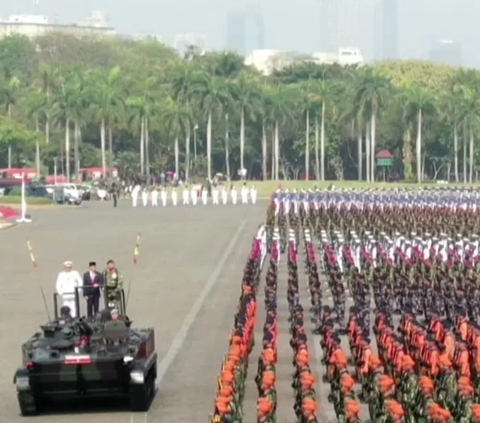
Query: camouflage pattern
[113, 287]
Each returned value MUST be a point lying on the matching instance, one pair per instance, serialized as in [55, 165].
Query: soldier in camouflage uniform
[113, 284]
[352, 410]
[265, 412]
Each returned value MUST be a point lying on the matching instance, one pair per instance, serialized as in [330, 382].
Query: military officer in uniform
[114, 191]
[113, 281]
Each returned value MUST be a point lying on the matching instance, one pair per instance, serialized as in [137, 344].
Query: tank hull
[53, 382]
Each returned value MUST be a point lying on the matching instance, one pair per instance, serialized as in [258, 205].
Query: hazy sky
[288, 25]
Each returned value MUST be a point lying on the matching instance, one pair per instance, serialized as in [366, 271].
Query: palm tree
[246, 96]
[418, 102]
[306, 106]
[183, 81]
[452, 110]
[69, 100]
[370, 90]
[108, 102]
[177, 119]
[47, 76]
[34, 105]
[278, 110]
[472, 116]
[9, 92]
[144, 107]
[213, 98]
[81, 108]
[323, 94]
[462, 83]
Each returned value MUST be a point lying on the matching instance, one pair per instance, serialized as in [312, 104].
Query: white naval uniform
[163, 196]
[276, 201]
[253, 194]
[186, 197]
[135, 193]
[224, 196]
[295, 206]
[174, 197]
[145, 197]
[262, 237]
[204, 197]
[194, 194]
[244, 195]
[215, 196]
[65, 286]
[234, 195]
[155, 198]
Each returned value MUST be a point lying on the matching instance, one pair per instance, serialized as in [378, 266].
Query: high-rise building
[340, 25]
[349, 24]
[386, 30]
[390, 29]
[378, 31]
[245, 32]
[447, 51]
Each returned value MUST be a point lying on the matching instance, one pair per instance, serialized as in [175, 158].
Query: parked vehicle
[85, 192]
[65, 194]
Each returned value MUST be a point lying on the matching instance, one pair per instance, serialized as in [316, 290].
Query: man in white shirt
[67, 281]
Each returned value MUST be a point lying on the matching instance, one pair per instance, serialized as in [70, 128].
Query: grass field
[16, 200]
[266, 188]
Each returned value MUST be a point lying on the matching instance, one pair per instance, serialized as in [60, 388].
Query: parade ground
[185, 284]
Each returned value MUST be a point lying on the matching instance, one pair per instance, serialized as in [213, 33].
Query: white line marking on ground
[197, 306]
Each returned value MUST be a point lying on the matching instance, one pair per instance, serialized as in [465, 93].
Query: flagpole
[23, 218]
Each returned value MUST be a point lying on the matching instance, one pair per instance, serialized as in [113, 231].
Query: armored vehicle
[74, 358]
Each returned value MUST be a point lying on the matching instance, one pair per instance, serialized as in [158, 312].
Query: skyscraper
[329, 26]
[390, 29]
[245, 32]
[350, 23]
[340, 25]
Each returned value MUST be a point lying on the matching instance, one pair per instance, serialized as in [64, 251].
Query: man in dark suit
[92, 281]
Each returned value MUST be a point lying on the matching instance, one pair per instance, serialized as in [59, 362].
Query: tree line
[137, 105]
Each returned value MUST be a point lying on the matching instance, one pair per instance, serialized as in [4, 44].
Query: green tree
[144, 108]
[246, 96]
[177, 119]
[35, 107]
[370, 90]
[418, 102]
[213, 97]
[108, 101]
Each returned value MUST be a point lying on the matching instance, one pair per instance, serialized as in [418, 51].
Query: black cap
[92, 263]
